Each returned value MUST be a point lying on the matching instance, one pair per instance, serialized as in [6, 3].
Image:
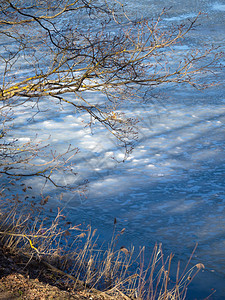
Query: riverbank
[37, 262]
[54, 259]
[23, 280]
[22, 277]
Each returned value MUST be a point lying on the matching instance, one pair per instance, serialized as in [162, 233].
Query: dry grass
[72, 252]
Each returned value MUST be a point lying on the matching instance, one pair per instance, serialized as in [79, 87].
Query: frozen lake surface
[170, 190]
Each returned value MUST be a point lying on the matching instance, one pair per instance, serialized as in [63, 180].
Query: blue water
[170, 190]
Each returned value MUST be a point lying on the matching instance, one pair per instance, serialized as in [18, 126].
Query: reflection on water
[171, 187]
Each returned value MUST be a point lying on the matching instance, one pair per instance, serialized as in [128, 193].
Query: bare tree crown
[63, 49]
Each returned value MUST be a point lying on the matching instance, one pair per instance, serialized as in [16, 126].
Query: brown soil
[17, 286]
[21, 278]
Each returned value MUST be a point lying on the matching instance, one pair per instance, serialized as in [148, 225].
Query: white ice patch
[151, 166]
[218, 6]
[181, 17]
[24, 139]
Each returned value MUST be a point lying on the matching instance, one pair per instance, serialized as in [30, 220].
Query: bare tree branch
[63, 50]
